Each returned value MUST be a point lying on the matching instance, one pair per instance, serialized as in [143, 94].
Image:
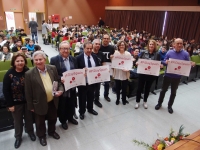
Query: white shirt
[91, 60]
[42, 72]
[66, 62]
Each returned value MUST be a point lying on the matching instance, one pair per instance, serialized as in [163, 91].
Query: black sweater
[13, 87]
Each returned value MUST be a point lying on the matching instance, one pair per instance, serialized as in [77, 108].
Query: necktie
[67, 64]
[89, 62]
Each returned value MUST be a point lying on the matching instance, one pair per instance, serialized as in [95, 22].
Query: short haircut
[86, 43]
[37, 47]
[15, 56]
[5, 45]
[63, 42]
[39, 53]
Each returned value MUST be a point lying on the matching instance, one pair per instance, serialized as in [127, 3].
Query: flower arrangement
[162, 143]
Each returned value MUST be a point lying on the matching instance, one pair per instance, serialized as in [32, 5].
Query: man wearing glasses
[66, 107]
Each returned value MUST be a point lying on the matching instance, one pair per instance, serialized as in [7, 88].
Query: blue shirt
[182, 55]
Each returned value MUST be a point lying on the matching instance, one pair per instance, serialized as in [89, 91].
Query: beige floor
[116, 126]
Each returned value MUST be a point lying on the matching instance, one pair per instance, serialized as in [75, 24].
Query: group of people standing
[29, 92]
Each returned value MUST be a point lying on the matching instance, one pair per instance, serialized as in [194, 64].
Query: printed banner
[110, 67]
[150, 67]
[180, 67]
[98, 74]
[10, 20]
[122, 62]
[74, 78]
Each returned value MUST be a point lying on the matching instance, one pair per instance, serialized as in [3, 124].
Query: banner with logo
[122, 62]
[98, 74]
[74, 78]
[180, 67]
[149, 67]
[10, 20]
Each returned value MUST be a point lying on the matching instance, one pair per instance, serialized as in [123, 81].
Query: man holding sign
[169, 78]
[64, 62]
[86, 93]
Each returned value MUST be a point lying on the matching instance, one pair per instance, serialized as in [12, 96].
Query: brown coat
[34, 90]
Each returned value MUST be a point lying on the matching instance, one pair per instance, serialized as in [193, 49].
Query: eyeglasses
[65, 48]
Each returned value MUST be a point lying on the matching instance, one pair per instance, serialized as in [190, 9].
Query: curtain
[185, 25]
[150, 21]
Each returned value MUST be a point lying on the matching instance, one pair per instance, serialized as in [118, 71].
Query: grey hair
[64, 42]
[95, 40]
[39, 53]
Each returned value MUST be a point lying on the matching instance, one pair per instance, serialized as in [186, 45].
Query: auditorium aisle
[116, 126]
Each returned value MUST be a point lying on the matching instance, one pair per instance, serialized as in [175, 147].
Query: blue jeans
[34, 34]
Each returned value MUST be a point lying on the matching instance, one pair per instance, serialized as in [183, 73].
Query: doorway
[38, 17]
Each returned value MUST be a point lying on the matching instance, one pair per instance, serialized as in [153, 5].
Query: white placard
[122, 62]
[110, 69]
[149, 67]
[74, 78]
[180, 67]
[10, 20]
[98, 74]
[70, 17]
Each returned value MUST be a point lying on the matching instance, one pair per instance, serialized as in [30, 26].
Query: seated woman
[5, 53]
[66, 37]
[121, 76]
[30, 46]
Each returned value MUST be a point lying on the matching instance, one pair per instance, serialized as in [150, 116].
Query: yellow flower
[160, 146]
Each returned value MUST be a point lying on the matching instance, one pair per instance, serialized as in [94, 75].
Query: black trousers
[86, 94]
[20, 112]
[66, 108]
[144, 83]
[121, 85]
[174, 86]
[51, 117]
[97, 87]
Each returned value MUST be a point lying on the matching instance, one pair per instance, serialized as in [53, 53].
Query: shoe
[117, 102]
[55, 135]
[64, 126]
[32, 136]
[98, 103]
[75, 116]
[73, 121]
[107, 98]
[170, 110]
[125, 102]
[81, 116]
[93, 112]
[18, 142]
[43, 141]
[136, 105]
[157, 106]
[145, 105]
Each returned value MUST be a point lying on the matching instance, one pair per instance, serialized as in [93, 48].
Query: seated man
[162, 53]
[21, 34]
[17, 46]
[2, 40]
[10, 34]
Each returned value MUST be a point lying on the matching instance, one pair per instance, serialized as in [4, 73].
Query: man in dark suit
[66, 106]
[38, 91]
[86, 93]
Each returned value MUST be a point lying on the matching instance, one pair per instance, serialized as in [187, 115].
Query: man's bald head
[178, 44]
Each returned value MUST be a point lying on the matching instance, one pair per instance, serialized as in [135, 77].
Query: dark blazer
[81, 61]
[59, 63]
[34, 90]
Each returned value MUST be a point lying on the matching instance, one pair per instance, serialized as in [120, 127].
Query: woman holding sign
[145, 81]
[121, 76]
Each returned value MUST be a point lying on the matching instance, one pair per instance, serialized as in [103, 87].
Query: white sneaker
[136, 105]
[145, 105]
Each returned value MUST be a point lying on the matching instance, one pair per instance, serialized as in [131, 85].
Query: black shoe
[93, 112]
[81, 116]
[32, 136]
[43, 141]
[170, 110]
[98, 103]
[157, 106]
[73, 121]
[18, 143]
[75, 116]
[64, 126]
[55, 135]
[117, 102]
[124, 103]
[107, 98]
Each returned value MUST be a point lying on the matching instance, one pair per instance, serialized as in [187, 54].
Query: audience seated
[30, 46]
[17, 46]
[5, 53]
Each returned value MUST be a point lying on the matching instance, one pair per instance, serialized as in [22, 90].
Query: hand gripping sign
[149, 67]
[74, 78]
[180, 67]
[98, 74]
